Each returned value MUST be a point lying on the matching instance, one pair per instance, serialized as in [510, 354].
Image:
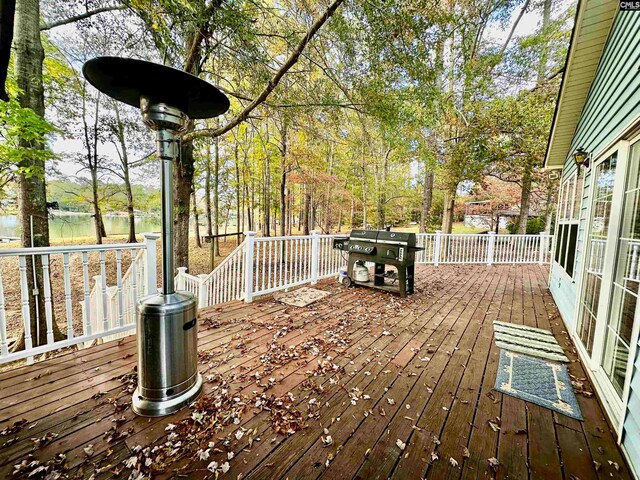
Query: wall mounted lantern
[582, 157]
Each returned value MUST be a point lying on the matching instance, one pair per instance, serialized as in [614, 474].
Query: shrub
[535, 225]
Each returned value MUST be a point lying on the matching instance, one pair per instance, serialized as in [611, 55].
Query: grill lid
[402, 238]
[365, 235]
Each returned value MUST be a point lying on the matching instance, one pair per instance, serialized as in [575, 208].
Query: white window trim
[612, 402]
[559, 269]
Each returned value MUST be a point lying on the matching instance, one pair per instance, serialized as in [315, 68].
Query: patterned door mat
[528, 340]
[301, 297]
[537, 381]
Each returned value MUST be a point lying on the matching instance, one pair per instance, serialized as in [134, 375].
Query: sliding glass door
[626, 277]
[601, 202]
[608, 311]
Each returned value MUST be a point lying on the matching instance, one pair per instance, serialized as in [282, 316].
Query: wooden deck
[360, 385]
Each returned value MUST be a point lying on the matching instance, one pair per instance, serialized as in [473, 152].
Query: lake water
[68, 227]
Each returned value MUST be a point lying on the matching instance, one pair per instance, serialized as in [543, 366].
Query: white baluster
[87, 298]
[67, 295]
[270, 262]
[4, 350]
[24, 296]
[281, 244]
[248, 266]
[134, 281]
[103, 278]
[119, 287]
[48, 311]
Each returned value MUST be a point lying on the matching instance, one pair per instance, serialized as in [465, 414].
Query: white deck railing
[258, 266]
[486, 249]
[262, 265]
[89, 312]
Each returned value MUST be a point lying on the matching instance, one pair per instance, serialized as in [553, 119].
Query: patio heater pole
[167, 330]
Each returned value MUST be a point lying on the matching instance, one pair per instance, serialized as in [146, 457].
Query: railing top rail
[189, 276]
[226, 260]
[528, 235]
[292, 237]
[69, 249]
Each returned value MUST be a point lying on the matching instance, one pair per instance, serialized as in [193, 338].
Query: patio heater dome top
[128, 80]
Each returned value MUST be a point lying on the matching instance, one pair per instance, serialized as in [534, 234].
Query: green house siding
[614, 98]
[612, 106]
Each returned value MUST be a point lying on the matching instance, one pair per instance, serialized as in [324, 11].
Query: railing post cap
[182, 269]
[151, 235]
[250, 234]
[315, 232]
[492, 233]
[438, 231]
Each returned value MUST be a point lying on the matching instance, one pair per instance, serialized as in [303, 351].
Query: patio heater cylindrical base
[154, 408]
[168, 377]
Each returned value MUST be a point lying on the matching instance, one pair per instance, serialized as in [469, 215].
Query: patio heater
[168, 377]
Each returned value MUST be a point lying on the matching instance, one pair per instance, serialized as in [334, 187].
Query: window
[598, 230]
[568, 220]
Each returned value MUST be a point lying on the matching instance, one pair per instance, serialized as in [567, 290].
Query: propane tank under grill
[167, 329]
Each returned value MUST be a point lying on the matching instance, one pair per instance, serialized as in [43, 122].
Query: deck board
[432, 354]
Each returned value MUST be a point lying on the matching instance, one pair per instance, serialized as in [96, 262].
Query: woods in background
[344, 114]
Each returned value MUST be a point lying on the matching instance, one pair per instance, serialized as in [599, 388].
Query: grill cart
[383, 249]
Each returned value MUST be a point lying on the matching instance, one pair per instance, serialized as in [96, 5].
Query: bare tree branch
[273, 83]
[81, 16]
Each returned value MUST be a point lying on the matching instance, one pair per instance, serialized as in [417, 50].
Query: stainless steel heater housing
[167, 326]
[168, 377]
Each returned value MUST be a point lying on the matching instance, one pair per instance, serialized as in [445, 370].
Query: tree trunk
[525, 196]
[307, 211]
[381, 180]
[283, 181]
[97, 214]
[196, 220]
[544, 54]
[427, 198]
[447, 214]
[207, 189]
[124, 161]
[32, 198]
[363, 180]
[352, 213]
[183, 173]
[239, 224]
[216, 195]
[266, 204]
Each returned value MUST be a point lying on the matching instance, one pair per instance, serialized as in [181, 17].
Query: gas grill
[382, 248]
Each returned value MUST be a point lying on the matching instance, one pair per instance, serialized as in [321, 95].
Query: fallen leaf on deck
[88, 450]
